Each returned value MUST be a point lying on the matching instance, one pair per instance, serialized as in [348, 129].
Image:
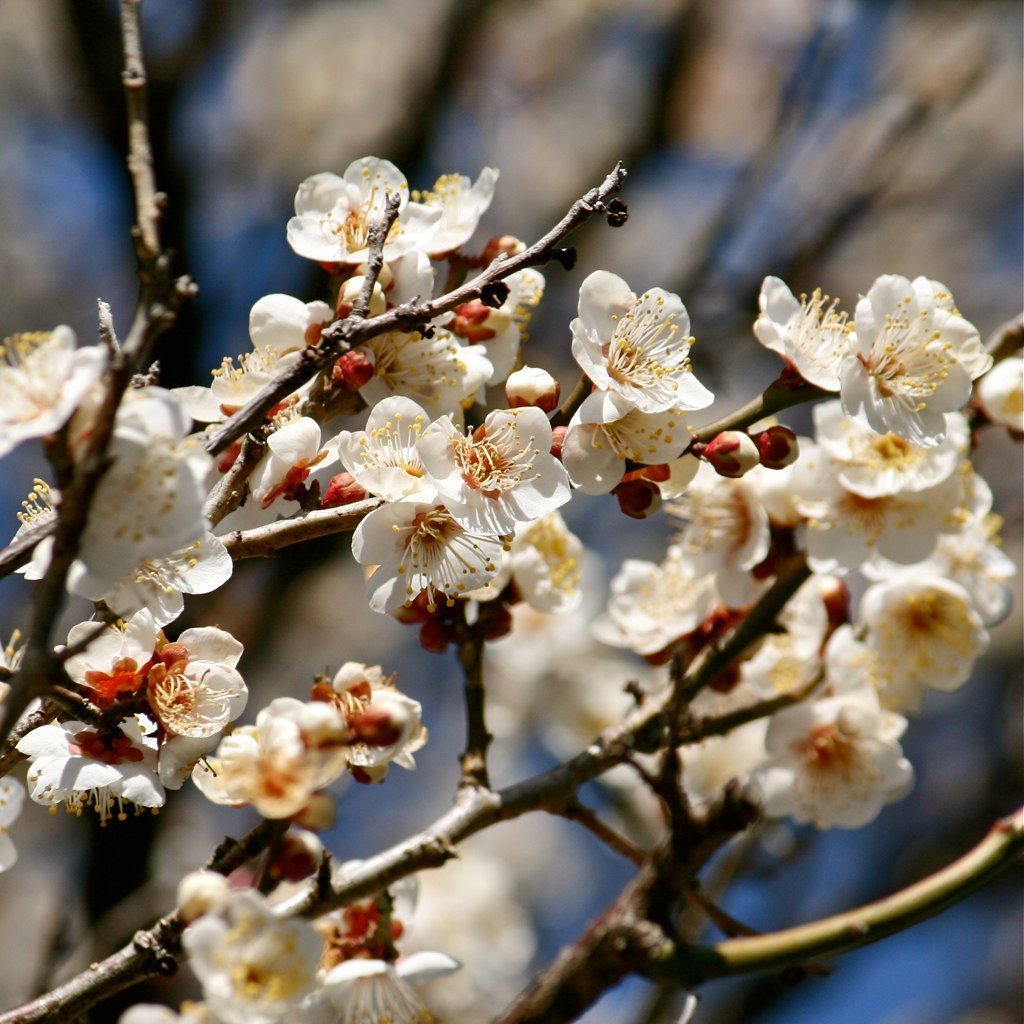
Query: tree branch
[471, 656]
[350, 332]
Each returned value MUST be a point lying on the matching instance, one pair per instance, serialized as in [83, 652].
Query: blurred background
[824, 141]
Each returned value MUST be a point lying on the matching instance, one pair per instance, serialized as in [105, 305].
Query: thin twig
[471, 656]
[582, 815]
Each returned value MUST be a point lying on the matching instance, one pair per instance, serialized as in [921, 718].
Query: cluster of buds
[733, 453]
[638, 493]
[445, 624]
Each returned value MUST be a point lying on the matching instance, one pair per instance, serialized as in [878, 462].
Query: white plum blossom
[114, 663]
[418, 546]
[375, 709]
[462, 203]
[283, 324]
[232, 386]
[73, 763]
[873, 465]
[726, 532]
[545, 562]
[1001, 393]
[708, 766]
[636, 347]
[334, 215]
[193, 686]
[923, 633]
[436, 371]
[912, 359]
[294, 450]
[12, 797]
[651, 606]
[254, 967]
[606, 432]
[499, 475]
[834, 762]
[358, 991]
[383, 457]
[277, 765]
[810, 332]
[43, 377]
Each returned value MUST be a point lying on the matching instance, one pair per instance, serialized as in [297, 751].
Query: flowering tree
[407, 412]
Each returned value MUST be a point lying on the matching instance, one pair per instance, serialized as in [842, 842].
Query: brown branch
[227, 494]
[265, 541]
[473, 761]
[582, 815]
[375, 260]
[350, 332]
[776, 397]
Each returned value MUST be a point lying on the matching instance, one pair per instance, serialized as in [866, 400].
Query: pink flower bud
[778, 447]
[732, 453]
[476, 321]
[353, 370]
[638, 498]
[501, 244]
[531, 385]
[558, 440]
[342, 490]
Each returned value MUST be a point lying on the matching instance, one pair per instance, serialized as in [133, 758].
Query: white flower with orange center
[383, 457]
[387, 725]
[193, 686]
[419, 547]
[606, 432]
[651, 606]
[924, 634]
[295, 449]
[235, 381]
[462, 203]
[726, 532]
[334, 215]
[254, 967]
[113, 664]
[499, 475]
[77, 764]
[810, 331]
[912, 360]
[872, 464]
[436, 372]
[636, 347]
[43, 377]
[834, 762]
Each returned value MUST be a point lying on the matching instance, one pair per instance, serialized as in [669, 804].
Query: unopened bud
[435, 636]
[558, 440]
[508, 244]
[415, 611]
[343, 489]
[732, 453]
[352, 289]
[639, 498]
[384, 721]
[368, 774]
[531, 385]
[836, 595]
[199, 892]
[297, 856]
[318, 814]
[475, 321]
[777, 446]
[353, 370]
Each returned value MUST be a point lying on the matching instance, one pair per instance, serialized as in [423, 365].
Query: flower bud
[638, 498]
[435, 636]
[499, 623]
[348, 296]
[342, 490]
[199, 892]
[297, 856]
[732, 453]
[558, 440]
[353, 370]
[368, 774]
[502, 244]
[384, 721]
[836, 595]
[777, 446]
[475, 321]
[318, 814]
[531, 385]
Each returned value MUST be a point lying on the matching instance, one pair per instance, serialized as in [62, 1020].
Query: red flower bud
[342, 490]
[557, 440]
[377, 727]
[501, 244]
[475, 321]
[638, 499]
[499, 623]
[297, 856]
[732, 453]
[434, 636]
[777, 446]
[353, 370]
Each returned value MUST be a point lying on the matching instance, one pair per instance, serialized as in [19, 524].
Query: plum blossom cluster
[452, 458]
